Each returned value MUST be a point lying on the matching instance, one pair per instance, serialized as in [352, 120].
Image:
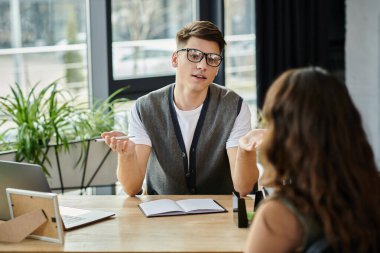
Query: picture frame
[23, 201]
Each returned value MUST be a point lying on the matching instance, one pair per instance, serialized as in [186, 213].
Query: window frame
[204, 10]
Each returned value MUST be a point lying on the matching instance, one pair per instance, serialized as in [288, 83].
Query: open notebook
[31, 177]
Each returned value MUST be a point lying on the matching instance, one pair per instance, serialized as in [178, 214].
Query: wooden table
[131, 231]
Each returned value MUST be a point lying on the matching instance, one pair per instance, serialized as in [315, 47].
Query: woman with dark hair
[317, 158]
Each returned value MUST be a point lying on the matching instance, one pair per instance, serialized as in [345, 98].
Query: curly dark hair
[205, 30]
[321, 157]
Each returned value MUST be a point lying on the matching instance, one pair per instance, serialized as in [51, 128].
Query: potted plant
[36, 120]
[100, 117]
[49, 128]
[92, 161]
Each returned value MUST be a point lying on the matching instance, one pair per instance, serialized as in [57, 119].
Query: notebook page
[160, 206]
[199, 204]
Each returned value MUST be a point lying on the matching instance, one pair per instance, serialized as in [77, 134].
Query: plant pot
[67, 173]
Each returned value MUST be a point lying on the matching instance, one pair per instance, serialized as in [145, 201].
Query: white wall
[363, 64]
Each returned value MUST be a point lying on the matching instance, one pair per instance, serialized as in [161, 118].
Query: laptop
[27, 176]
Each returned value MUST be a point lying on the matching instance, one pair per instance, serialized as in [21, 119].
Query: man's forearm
[129, 174]
[245, 173]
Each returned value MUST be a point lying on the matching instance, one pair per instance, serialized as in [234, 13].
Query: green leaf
[50, 115]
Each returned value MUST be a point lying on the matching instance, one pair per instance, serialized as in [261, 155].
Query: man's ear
[174, 59]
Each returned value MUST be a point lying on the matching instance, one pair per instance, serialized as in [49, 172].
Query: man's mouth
[199, 76]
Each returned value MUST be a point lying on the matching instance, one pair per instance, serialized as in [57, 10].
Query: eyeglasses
[195, 55]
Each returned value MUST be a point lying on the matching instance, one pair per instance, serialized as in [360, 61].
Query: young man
[185, 135]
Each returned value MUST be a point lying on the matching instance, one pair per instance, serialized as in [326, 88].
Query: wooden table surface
[131, 231]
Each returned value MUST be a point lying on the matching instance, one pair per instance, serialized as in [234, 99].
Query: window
[140, 61]
[240, 57]
[42, 41]
[142, 34]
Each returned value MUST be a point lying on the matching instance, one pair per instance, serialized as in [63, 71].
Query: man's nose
[203, 63]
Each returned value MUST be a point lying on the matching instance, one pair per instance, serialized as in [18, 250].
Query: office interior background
[95, 47]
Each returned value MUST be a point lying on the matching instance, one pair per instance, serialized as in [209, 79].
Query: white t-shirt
[188, 121]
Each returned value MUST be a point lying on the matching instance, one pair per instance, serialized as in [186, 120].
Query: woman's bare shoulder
[274, 229]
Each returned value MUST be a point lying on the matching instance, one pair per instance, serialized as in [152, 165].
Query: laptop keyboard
[69, 219]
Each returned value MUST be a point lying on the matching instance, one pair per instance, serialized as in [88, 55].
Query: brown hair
[203, 30]
[321, 157]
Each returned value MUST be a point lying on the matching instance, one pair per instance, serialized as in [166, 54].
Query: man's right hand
[132, 161]
[122, 147]
[252, 139]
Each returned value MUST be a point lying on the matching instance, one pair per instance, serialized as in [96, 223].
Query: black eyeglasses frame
[204, 54]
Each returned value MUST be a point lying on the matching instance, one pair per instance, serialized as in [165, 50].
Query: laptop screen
[21, 176]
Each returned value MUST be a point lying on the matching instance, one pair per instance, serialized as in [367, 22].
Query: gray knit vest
[208, 171]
